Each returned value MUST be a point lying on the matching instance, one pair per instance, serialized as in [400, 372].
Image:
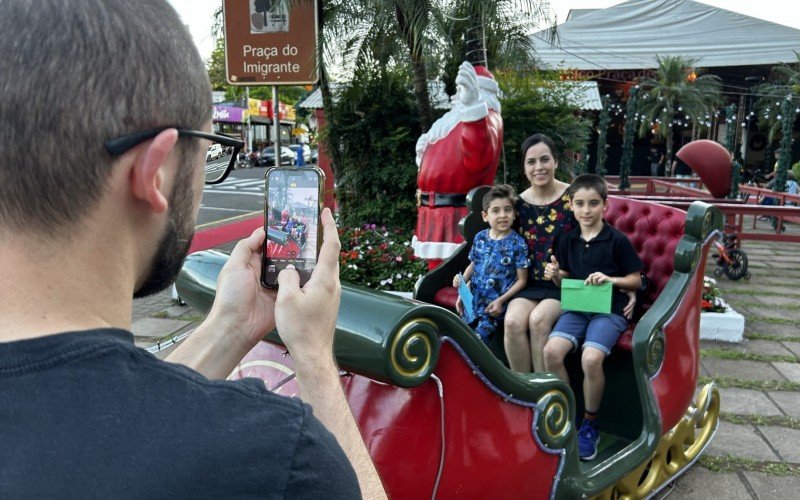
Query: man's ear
[148, 172]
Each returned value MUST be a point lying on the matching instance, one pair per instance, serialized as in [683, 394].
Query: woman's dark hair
[536, 139]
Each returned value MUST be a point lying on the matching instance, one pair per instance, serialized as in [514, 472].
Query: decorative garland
[627, 143]
[602, 132]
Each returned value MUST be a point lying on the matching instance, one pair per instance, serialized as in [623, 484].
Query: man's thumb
[553, 259]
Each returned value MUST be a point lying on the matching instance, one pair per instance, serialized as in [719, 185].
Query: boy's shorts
[600, 331]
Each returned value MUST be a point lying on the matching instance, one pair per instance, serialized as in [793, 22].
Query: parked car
[306, 151]
[214, 152]
[268, 156]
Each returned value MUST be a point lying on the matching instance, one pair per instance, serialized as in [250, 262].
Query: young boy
[597, 253]
[498, 263]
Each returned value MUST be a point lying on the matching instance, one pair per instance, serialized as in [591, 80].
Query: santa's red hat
[486, 79]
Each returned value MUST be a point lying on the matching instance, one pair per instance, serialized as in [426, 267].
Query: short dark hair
[589, 181]
[499, 192]
[75, 74]
[536, 139]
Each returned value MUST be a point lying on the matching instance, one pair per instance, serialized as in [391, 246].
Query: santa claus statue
[458, 153]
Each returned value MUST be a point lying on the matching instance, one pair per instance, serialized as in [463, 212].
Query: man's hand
[241, 305]
[242, 313]
[467, 84]
[551, 269]
[306, 317]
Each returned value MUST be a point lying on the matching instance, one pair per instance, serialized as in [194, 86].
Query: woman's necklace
[535, 205]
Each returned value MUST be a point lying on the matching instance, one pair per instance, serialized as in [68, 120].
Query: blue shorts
[600, 331]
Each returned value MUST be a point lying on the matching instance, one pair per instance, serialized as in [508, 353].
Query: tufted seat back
[654, 230]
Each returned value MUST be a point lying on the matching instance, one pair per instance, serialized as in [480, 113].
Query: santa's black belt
[425, 199]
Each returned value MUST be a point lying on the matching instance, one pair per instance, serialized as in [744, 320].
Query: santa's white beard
[442, 127]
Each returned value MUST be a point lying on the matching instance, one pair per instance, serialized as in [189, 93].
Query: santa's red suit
[466, 156]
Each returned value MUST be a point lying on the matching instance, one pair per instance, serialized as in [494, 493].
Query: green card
[575, 296]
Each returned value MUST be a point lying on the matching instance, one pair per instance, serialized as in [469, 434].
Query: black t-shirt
[89, 415]
[610, 252]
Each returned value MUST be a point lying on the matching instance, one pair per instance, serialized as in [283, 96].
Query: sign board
[271, 42]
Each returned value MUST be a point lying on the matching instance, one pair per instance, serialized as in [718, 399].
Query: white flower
[406, 243]
[383, 282]
[389, 281]
[399, 276]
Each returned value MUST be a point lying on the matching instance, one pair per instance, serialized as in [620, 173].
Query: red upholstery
[654, 230]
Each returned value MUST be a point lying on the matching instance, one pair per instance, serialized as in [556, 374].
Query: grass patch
[760, 385]
[789, 307]
[774, 420]
[773, 320]
[160, 315]
[730, 463]
[764, 293]
[769, 336]
[749, 356]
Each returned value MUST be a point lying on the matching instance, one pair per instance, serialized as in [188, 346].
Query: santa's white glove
[467, 84]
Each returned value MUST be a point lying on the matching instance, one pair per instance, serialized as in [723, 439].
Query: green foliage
[675, 94]
[602, 133]
[784, 82]
[379, 257]
[538, 102]
[787, 124]
[375, 128]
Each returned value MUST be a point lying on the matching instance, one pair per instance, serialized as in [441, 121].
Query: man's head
[75, 74]
[78, 73]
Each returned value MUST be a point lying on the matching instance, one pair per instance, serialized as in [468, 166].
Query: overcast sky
[197, 13]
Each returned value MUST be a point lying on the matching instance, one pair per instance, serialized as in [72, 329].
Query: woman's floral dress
[540, 225]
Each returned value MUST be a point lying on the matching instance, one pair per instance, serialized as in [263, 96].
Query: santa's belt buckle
[419, 198]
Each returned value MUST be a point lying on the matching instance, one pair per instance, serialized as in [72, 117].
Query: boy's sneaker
[588, 437]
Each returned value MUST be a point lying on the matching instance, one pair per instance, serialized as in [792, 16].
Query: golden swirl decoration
[414, 352]
[676, 450]
[708, 224]
[554, 423]
[655, 351]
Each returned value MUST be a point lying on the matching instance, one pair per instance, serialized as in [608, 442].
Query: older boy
[597, 253]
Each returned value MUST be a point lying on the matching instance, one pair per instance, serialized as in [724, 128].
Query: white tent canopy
[630, 35]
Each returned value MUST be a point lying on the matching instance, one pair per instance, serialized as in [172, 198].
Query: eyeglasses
[214, 172]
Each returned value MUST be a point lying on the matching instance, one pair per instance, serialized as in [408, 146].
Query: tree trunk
[420, 73]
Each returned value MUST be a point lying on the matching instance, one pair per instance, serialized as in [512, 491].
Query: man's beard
[176, 241]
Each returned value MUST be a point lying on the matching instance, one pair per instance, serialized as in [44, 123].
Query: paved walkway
[756, 451]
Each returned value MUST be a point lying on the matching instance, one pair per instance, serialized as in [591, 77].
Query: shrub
[380, 258]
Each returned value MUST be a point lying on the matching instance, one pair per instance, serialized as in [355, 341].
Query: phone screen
[291, 222]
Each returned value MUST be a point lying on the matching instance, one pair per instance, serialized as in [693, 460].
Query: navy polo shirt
[610, 252]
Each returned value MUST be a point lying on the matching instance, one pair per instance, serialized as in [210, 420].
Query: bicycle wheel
[738, 266]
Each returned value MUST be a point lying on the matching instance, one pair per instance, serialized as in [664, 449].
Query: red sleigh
[442, 416]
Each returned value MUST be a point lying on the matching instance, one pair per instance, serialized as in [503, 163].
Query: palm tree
[784, 82]
[494, 34]
[676, 89]
[433, 34]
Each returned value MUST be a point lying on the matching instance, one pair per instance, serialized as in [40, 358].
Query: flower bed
[380, 258]
[718, 320]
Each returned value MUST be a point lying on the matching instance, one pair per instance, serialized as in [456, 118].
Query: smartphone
[291, 221]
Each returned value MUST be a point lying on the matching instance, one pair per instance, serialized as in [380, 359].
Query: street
[241, 194]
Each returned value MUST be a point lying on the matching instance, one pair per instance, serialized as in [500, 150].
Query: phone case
[269, 277]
